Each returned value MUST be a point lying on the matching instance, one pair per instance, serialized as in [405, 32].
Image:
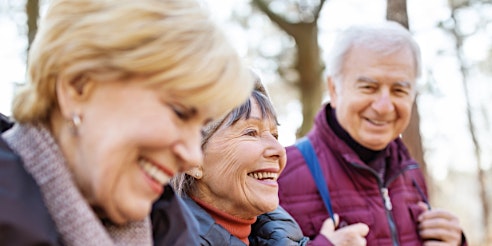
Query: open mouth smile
[264, 175]
[155, 172]
[377, 122]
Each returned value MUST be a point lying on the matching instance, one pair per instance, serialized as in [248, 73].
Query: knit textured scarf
[74, 218]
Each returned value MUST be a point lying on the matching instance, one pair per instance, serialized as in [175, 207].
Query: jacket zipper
[383, 188]
[389, 215]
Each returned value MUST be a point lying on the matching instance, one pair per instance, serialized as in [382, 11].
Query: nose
[275, 150]
[383, 103]
[188, 149]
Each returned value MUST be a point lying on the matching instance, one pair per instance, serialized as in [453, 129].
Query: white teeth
[264, 175]
[154, 172]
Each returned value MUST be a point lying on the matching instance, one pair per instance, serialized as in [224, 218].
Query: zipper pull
[387, 200]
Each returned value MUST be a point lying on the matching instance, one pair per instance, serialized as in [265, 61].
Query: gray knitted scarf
[74, 218]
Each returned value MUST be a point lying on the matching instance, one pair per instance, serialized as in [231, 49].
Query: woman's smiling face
[132, 140]
[241, 165]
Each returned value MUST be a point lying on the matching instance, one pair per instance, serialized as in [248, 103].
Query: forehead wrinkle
[261, 122]
[366, 79]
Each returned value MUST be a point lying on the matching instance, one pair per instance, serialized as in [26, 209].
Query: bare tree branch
[317, 10]
[279, 20]
[289, 27]
[309, 65]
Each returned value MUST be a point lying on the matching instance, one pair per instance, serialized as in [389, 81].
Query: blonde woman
[117, 94]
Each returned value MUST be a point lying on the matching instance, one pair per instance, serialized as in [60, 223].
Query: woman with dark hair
[234, 194]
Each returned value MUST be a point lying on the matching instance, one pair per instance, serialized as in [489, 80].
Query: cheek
[224, 161]
[108, 168]
[405, 110]
[345, 114]
[221, 160]
[101, 159]
[348, 105]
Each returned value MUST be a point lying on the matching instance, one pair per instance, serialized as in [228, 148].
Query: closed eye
[367, 88]
[182, 112]
[403, 88]
[401, 91]
[366, 84]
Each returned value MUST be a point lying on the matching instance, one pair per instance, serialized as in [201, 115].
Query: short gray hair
[386, 38]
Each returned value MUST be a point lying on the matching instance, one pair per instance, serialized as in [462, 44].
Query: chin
[132, 214]
[140, 214]
[120, 221]
[378, 147]
[271, 206]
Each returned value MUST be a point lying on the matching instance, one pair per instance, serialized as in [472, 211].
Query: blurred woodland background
[286, 41]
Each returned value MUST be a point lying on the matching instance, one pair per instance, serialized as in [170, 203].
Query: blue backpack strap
[307, 150]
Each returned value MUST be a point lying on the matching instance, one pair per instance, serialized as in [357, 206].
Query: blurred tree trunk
[396, 10]
[481, 176]
[308, 63]
[32, 12]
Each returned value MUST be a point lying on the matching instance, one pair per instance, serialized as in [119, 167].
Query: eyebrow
[366, 79]
[249, 120]
[405, 84]
[254, 118]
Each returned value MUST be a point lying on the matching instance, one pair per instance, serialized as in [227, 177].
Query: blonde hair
[172, 43]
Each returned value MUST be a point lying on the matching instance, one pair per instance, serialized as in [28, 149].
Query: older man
[372, 180]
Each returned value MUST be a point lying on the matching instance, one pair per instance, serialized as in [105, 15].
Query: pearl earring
[198, 174]
[76, 122]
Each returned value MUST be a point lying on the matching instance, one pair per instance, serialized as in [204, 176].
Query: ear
[196, 172]
[333, 91]
[72, 93]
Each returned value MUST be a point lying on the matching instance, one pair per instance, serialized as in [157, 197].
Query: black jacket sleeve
[5, 123]
[276, 228]
[24, 219]
[172, 222]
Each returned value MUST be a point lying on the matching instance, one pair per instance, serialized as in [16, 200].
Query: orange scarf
[240, 228]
